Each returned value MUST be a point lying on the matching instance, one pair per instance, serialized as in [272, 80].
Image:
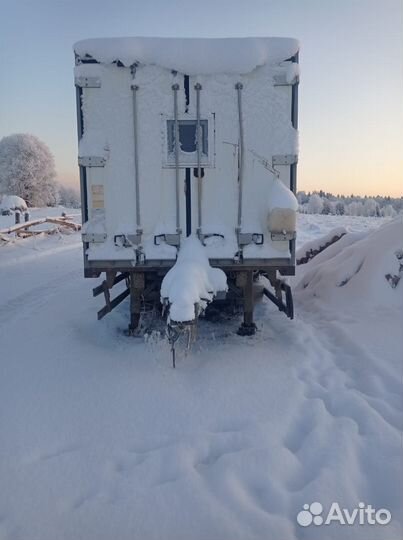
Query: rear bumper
[94, 268]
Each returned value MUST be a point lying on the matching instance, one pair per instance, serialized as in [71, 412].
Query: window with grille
[187, 139]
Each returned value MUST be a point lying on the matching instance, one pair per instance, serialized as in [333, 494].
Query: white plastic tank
[283, 206]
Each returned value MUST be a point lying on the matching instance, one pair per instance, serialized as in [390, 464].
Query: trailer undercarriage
[245, 287]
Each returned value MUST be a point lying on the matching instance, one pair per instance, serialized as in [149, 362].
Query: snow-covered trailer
[181, 137]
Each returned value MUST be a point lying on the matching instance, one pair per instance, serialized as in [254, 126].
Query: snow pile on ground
[312, 248]
[191, 281]
[312, 227]
[353, 269]
[101, 438]
[11, 203]
[193, 56]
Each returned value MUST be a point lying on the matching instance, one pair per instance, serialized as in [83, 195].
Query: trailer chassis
[244, 283]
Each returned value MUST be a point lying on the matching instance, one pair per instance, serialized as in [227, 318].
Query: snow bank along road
[101, 438]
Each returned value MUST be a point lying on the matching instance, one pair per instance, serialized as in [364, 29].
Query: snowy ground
[101, 438]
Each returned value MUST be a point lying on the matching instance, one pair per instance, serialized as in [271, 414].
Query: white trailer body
[182, 137]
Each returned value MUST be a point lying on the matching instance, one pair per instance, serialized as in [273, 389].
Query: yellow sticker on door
[97, 196]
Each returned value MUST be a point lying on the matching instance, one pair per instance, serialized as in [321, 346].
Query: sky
[351, 106]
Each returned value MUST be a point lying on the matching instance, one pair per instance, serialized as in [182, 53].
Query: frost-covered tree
[355, 208]
[69, 197]
[353, 205]
[303, 209]
[388, 211]
[315, 204]
[340, 208]
[370, 207]
[27, 169]
[302, 197]
[327, 208]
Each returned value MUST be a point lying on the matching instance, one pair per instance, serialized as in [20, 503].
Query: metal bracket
[127, 240]
[140, 255]
[249, 238]
[238, 257]
[286, 306]
[169, 238]
[280, 79]
[88, 82]
[91, 161]
[108, 284]
[94, 238]
[281, 236]
[285, 159]
[203, 237]
[135, 238]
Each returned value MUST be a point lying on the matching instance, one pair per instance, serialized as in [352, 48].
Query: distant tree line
[320, 202]
[69, 196]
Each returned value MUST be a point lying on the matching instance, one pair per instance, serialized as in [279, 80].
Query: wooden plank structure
[23, 229]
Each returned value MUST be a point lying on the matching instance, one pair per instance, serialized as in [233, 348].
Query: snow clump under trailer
[188, 138]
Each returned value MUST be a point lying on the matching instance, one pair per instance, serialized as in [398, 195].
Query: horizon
[351, 115]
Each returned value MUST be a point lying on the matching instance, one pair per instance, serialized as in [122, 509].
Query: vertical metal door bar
[198, 87]
[175, 88]
[136, 159]
[83, 172]
[188, 191]
[239, 87]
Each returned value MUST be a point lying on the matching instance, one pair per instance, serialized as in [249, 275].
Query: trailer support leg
[136, 292]
[248, 327]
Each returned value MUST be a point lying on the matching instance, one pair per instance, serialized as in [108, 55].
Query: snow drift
[312, 248]
[352, 271]
[191, 281]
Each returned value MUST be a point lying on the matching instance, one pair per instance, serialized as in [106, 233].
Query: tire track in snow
[22, 306]
[33, 255]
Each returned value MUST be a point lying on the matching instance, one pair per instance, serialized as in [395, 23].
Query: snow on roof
[193, 56]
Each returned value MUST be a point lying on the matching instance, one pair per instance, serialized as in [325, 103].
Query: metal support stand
[136, 292]
[248, 327]
[286, 305]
